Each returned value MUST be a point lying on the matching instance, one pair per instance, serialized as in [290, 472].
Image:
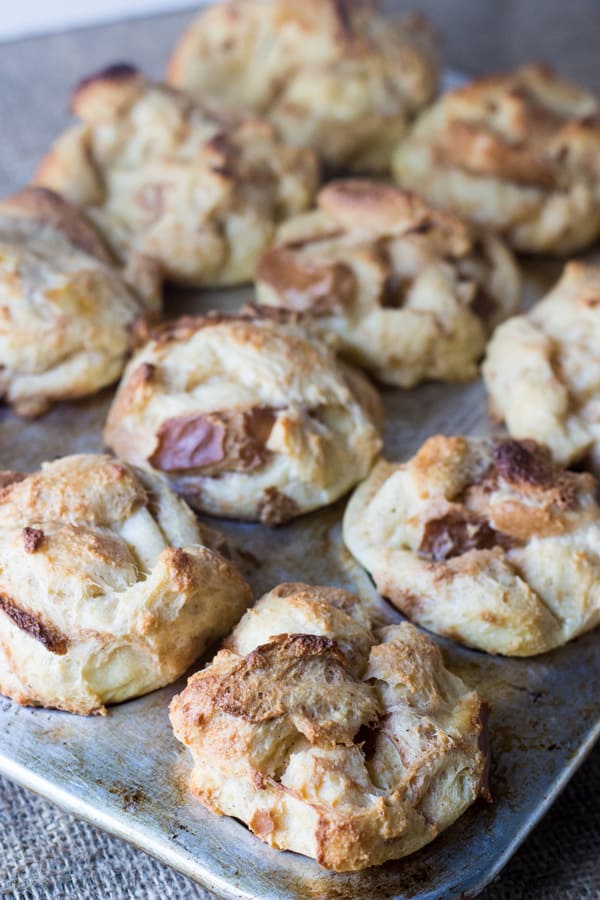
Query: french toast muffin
[409, 292]
[68, 317]
[108, 588]
[249, 415]
[339, 76]
[347, 745]
[158, 174]
[542, 369]
[485, 541]
[516, 152]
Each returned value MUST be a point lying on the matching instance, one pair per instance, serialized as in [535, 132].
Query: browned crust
[363, 202]
[530, 467]
[457, 532]
[276, 508]
[8, 478]
[544, 499]
[438, 451]
[183, 328]
[525, 463]
[284, 654]
[139, 385]
[116, 73]
[51, 638]
[368, 205]
[475, 149]
[477, 90]
[531, 117]
[110, 82]
[513, 125]
[224, 441]
[284, 678]
[305, 286]
[49, 208]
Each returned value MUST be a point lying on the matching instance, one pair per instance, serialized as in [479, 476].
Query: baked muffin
[67, 316]
[107, 590]
[369, 769]
[339, 76]
[517, 152]
[487, 542]
[160, 175]
[249, 416]
[542, 370]
[410, 292]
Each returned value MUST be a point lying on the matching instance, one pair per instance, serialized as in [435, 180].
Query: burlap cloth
[47, 854]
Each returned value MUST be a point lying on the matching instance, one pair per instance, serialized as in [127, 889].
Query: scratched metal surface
[127, 774]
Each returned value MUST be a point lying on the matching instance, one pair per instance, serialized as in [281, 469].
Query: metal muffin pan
[127, 774]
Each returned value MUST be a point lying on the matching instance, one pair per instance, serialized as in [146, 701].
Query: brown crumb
[33, 538]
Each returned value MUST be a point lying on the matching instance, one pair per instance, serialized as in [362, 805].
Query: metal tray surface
[127, 774]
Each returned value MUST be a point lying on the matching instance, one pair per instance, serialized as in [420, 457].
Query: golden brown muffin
[341, 77]
[107, 590]
[67, 315]
[542, 370]
[516, 152]
[330, 740]
[160, 175]
[484, 541]
[249, 415]
[409, 292]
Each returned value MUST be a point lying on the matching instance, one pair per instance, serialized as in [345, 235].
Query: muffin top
[250, 415]
[517, 152]
[486, 541]
[341, 77]
[370, 768]
[160, 175]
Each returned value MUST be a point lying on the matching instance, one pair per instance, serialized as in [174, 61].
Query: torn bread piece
[485, 541]
[542, 369]
[249, 415]
[344, 78]
[326, 738]
[159, 175]
[68, 316]
[409, 292]
[108, 586]
[518, 153]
